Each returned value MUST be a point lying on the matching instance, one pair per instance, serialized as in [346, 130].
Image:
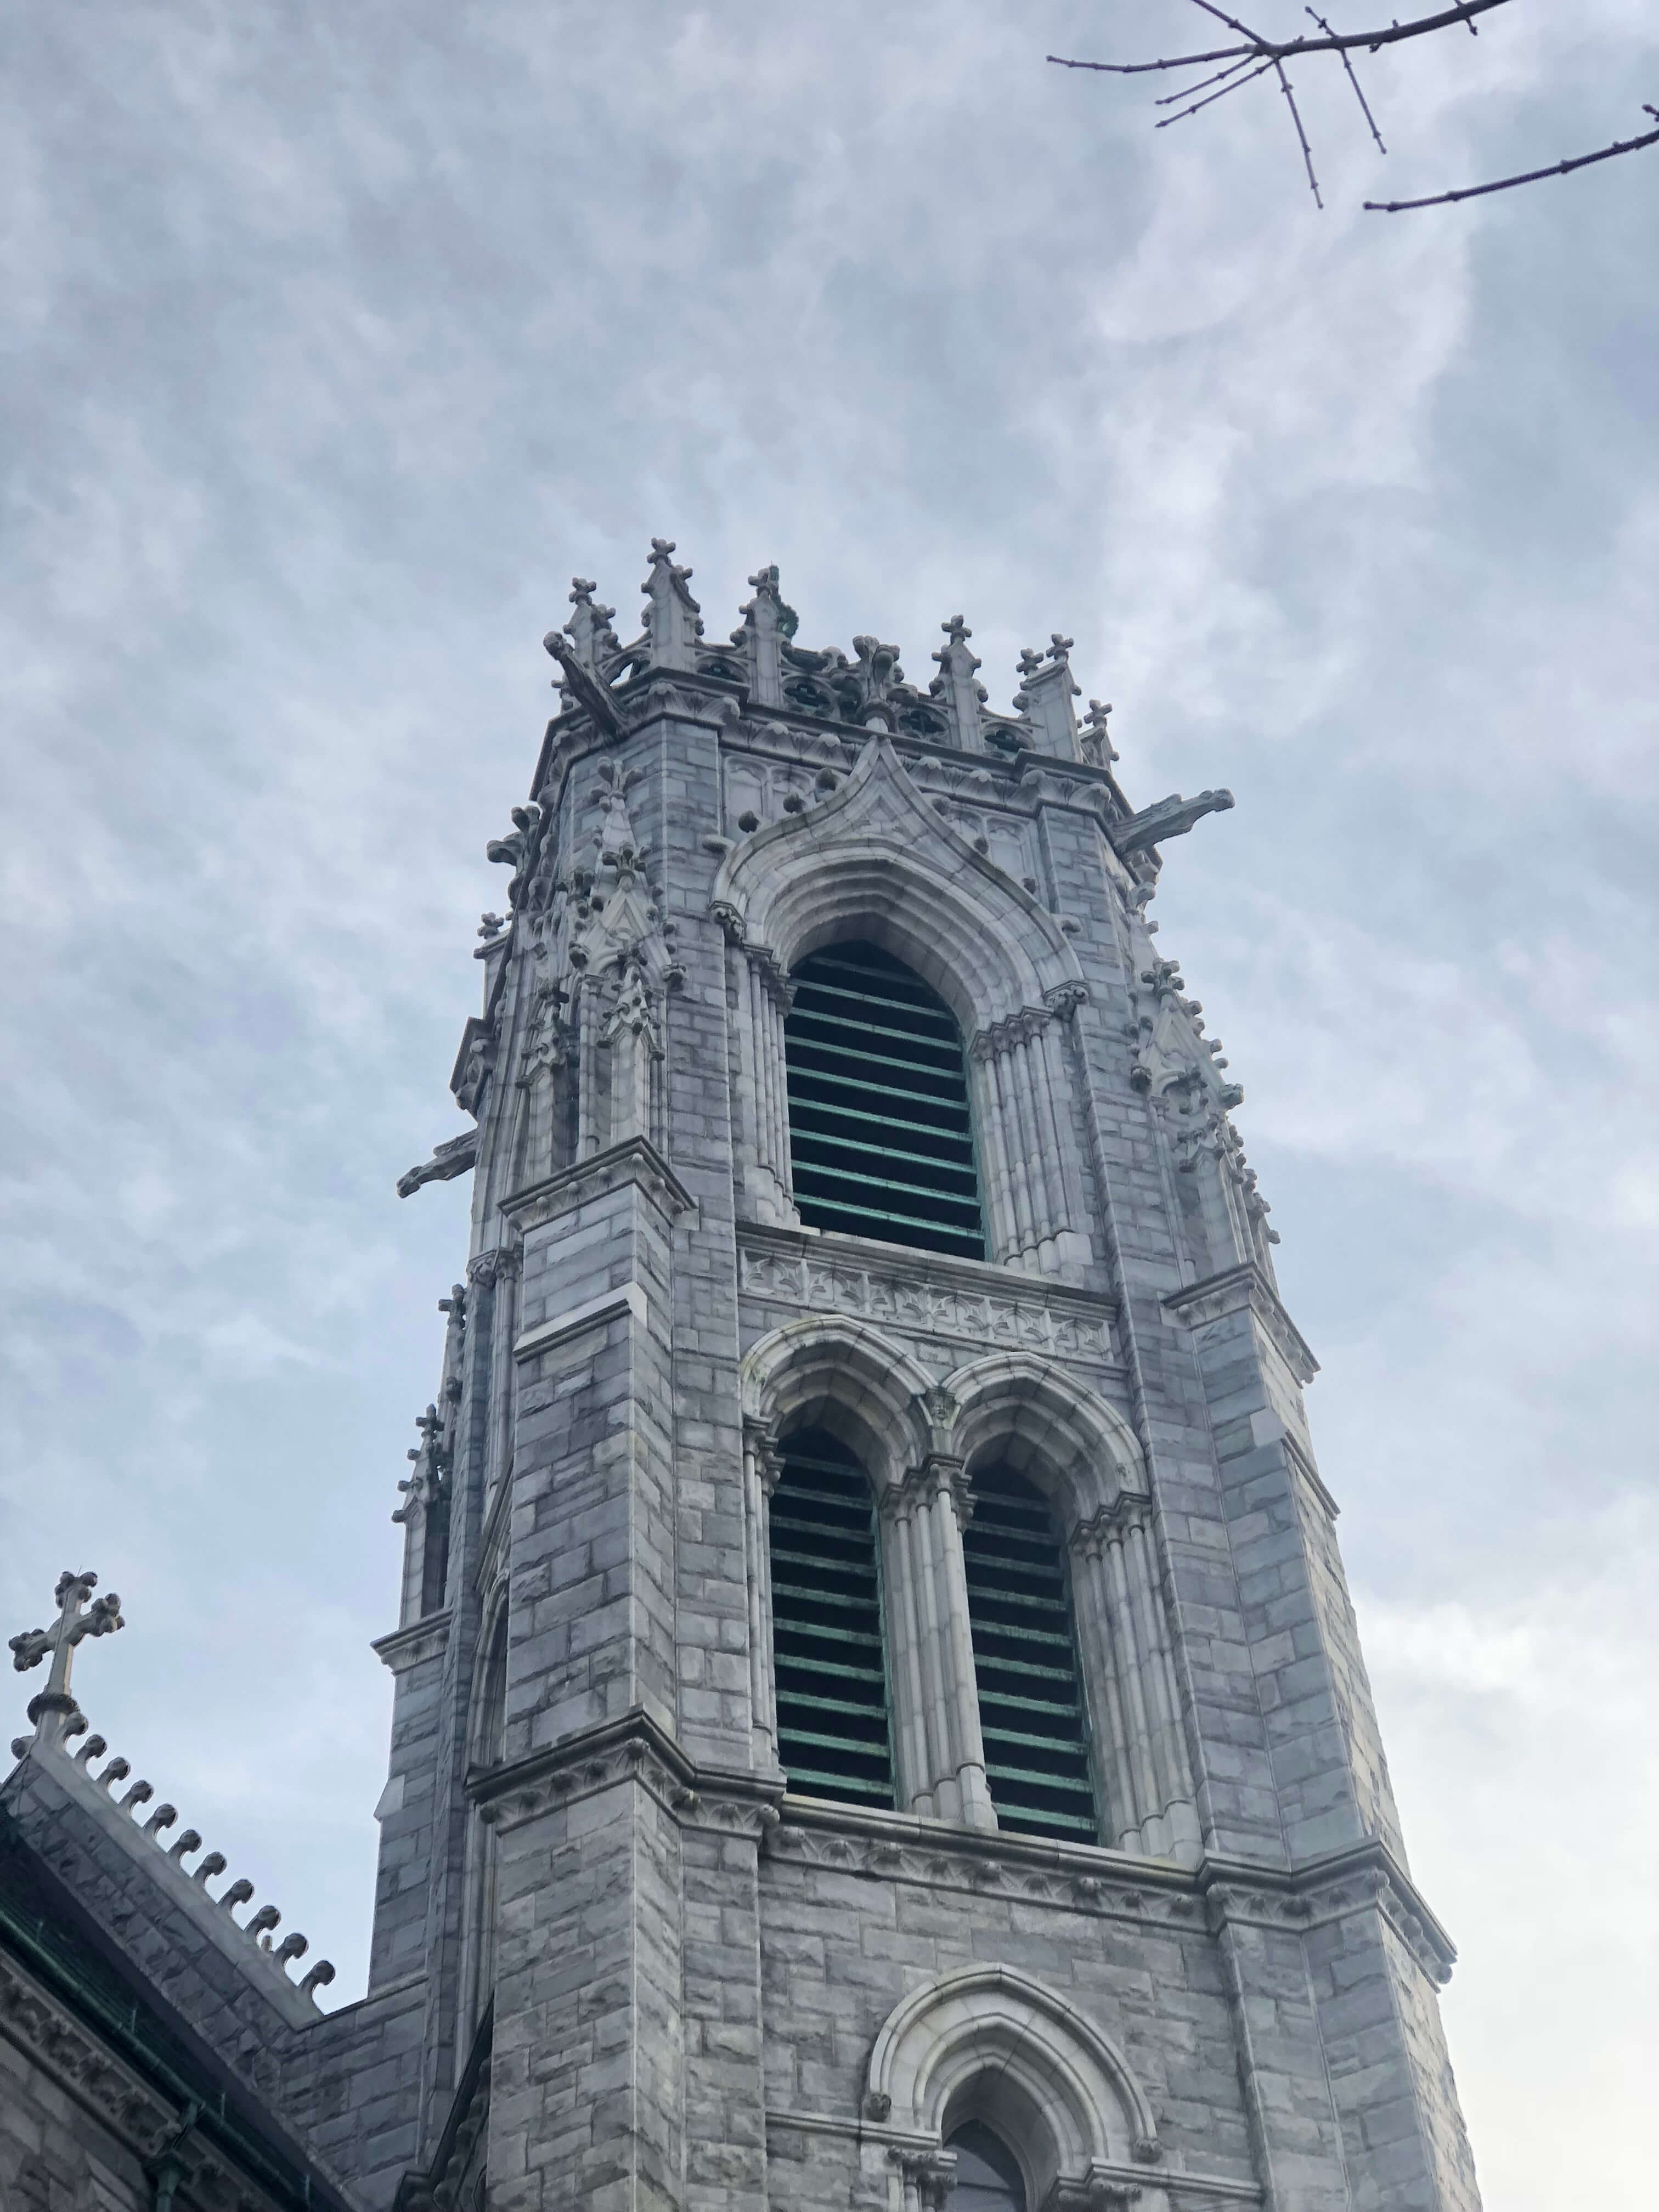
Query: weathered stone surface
[615, 1962]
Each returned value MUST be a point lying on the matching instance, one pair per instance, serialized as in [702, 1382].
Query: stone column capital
[759, 1439]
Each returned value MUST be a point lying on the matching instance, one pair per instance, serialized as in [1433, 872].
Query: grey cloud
[334, 343]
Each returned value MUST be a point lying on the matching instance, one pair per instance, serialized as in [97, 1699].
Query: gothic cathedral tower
[878, 1710]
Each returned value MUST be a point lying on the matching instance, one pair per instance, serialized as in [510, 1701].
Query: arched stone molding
[991, 2044]
[1030, 1414]
[987, 946]
[838, 1373]
[1021, 1410]
[875, 859]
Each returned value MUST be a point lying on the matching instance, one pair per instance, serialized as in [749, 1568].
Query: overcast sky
[335, 340]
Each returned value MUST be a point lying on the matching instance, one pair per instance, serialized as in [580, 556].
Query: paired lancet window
[833, 1681]
[881, 1138]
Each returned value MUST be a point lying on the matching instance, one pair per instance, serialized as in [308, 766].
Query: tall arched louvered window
[830, 1670]
[880, 1137]
[1031, 1703]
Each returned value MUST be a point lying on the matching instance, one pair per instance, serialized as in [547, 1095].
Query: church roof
[45, 1931]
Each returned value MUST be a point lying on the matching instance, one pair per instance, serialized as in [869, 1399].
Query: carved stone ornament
[930, 2173]
[53, 1712]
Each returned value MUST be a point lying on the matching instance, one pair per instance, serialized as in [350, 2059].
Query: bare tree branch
[1163, 122]
[1364, 105]
[1529, 177]
[1296, 117]
[1254, 55]
[1288, 50]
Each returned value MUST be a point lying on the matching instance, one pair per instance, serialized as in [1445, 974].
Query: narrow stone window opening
[988, 2179]
[833, 1737]
[1030, 1698]
[881, 1137]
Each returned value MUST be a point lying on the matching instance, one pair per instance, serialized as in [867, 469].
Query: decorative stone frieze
[944, 1299]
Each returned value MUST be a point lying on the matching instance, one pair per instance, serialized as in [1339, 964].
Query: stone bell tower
[879, 1710]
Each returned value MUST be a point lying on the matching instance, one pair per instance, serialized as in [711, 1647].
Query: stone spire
[54, 1709]
[767, 626]
[589, 627]
[1045, 696]
[673, 622]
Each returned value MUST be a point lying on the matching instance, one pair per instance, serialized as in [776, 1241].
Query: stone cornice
[636, 1161]
[1234, 1291]
[635, 1747]
[414, 1644]
[898, 1847]
[1114, 1885]
[1366, 1875]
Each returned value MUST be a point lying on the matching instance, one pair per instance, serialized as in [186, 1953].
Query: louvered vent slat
[833, 1737]
[1037, 1758]
[881, 1140]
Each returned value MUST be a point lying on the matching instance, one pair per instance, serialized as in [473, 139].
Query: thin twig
[1165, 121]
[1307, 150]
[1169, 99]
[1364, 105]
[1336, 42]
[1530, 177]
[1232, 22]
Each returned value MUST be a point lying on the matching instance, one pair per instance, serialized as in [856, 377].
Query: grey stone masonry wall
[587, 2103]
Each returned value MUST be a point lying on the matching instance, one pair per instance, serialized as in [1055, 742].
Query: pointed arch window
[833, 1737]
[1031, 1700]
[881, 1137]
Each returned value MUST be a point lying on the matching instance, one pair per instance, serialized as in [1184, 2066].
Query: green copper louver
[1025, 1662]
[880, 1137]
[826, 1627]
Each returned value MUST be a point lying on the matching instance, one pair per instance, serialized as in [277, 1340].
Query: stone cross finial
[1098, 745]
[955, 683]
[54, 1710]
